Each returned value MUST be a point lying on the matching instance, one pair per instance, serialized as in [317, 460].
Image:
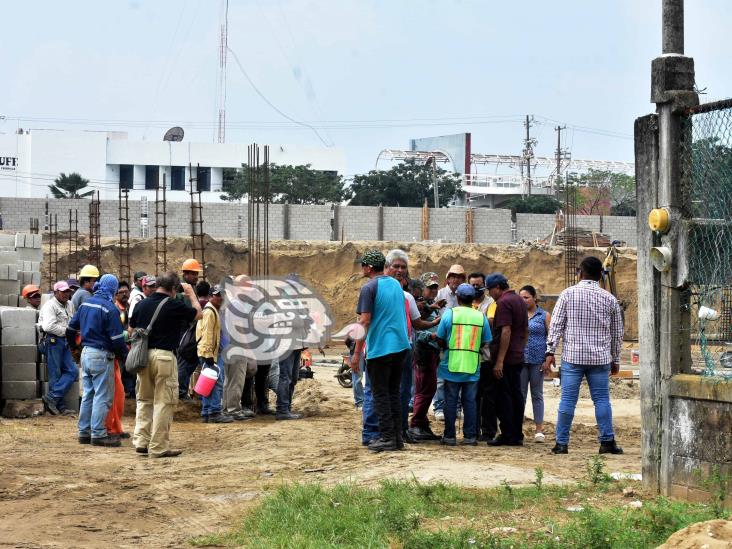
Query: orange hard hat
[191, 265]
[30, 289]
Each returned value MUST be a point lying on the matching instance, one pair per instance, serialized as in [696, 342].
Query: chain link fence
[707, 189]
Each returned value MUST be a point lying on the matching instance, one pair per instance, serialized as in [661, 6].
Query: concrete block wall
[402, 224]
[310, 222]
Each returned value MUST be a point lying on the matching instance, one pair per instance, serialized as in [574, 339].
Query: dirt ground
[57, 493]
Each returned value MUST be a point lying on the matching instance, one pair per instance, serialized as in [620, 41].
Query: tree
[68, 186]
[406, 184]
[603, 192]
[532, 204]
[290, 184]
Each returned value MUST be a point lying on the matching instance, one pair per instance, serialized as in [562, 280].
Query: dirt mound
[712, 534]
[332, 268]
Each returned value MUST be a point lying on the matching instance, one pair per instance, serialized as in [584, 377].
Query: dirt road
[57, 493]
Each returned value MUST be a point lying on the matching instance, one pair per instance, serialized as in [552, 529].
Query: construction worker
[191, 270]
[62, 371]
[208, 335]
[87, 277]
[101, 331]
[137, 294]
[461, 334]
[32, 295]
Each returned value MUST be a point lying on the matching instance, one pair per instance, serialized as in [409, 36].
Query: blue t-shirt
[535, 350]
[444, 329]
[383, 297]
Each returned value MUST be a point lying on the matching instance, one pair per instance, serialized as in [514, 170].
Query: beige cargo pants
[157, 395]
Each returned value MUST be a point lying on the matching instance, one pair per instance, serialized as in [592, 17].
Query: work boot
[448, 441]
[168, 454]
[471, 441]
[242, 415]
[107, 442]
[381, 445]
[84, 439]
[560, 449]
[420, 434]
[610, 447]
[220, 418]
[280, 416]
[408, 438]
[266, 411]
[50, 405]
[141, 450]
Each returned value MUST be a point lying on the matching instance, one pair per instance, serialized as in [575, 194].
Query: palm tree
[68, 186]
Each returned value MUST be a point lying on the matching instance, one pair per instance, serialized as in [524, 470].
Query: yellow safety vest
[464, 345]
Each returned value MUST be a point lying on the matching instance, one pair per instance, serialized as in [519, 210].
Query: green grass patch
[412, 515]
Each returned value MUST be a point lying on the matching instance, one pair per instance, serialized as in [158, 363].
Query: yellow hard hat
[89, 271]
[191, 265]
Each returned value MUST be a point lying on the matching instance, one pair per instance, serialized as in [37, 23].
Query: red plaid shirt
[590, 321]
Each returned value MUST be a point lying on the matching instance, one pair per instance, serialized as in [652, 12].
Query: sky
[365, 74]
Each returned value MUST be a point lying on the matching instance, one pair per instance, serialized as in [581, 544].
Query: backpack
[188, 346]
[137, 357]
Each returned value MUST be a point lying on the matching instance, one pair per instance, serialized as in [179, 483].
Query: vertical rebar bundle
[197, 246]
[124, 234]
[161, 230]
[34, 225]
[52, 221]
[570, 234]
[258, 202]
[74, 243]
[95, 247]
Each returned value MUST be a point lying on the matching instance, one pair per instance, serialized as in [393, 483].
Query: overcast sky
[367, 74]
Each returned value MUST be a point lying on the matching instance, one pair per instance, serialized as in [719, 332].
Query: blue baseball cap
[466, 291]
[494, 279]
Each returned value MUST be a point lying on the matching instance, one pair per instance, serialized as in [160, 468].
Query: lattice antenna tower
[223, 52]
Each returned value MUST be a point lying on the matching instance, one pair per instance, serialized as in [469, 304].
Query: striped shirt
[589, 320]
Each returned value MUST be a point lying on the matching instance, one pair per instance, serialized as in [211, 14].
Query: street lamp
[431, 162]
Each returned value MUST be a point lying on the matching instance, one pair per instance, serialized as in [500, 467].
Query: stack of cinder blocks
[19, 354]
[20, 264]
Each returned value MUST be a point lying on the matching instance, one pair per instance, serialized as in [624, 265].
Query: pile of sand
[332, 267]
[712, 534]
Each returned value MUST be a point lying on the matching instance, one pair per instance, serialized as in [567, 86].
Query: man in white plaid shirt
[590, 322]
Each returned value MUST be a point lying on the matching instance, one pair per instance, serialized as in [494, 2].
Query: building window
[126, 175]
[152, 175]
[204, 179]
[177, 178]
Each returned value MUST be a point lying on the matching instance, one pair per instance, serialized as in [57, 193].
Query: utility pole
[432, 162]
[528, 150]
[560, 154]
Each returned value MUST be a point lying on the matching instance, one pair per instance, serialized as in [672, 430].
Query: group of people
[90, 321]
[476, 347]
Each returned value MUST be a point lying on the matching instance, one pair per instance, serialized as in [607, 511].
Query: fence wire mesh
[707, 188]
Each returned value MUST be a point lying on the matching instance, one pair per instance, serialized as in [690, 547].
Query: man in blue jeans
[62, 370]
[589, 320]
[462, 332]
[103, 337]
[209, 337]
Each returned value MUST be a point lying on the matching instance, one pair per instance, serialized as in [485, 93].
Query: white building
[31, 160]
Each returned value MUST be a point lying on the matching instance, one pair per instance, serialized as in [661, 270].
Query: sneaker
[539, 437]
[469, 441]
[447, 441]
[610, 447]
[141, 450]
[107, 442]
[287, 415]
[501, 441]
[560, 449]
[381, 445]
[50, 405]
[440, 415]
[266, 412]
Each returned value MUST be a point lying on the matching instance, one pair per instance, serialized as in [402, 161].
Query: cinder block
[9, 300]
[28, 277]
[8, 287]
[19, 390]
[19, 372]
[16, 335]
[7, 240]
[27, 254]
[9, 271]
[17, 354]
[20, 240]
[15, 317]
[37, 241]
[71, 399]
